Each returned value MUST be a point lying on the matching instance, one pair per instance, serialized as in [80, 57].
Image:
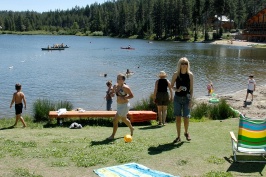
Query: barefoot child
[109, 96]
[210, 88]
[18, 97]
[251, 87]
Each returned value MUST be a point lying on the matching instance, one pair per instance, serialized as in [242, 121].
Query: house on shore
[256, 28]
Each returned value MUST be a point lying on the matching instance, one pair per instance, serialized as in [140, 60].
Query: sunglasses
[184, 63]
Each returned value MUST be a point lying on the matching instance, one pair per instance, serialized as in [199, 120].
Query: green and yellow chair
[251, 138]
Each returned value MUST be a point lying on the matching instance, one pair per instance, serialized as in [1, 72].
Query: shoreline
[240, 43]
[251, 109]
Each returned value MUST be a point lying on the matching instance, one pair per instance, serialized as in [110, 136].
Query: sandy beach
[237, 43]
[251, 109]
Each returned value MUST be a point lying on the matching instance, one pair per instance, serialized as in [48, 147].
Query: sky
[44, 5]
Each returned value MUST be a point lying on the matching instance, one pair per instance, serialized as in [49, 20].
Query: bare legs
[247, 96]
[178, 128]
[19, 117]
[115, 125]
[162, 112]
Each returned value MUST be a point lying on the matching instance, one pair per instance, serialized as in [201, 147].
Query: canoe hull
[127, 48]
[53, 48]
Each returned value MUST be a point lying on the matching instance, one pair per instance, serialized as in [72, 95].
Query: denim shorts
[181, 106]
[109, 104]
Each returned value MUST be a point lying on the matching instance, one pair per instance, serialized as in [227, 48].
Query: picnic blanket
[130, 170]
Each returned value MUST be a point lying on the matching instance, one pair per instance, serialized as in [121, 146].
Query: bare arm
[112, 93]
[191, 77]
[155, 90]
[12, 101]
[171, 90]
[129, 93]
[24, 101]
[173, 80]
[114, 89]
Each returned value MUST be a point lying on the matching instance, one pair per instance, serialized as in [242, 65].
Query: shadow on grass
[105, 141]
[6, 128]
[247, 167]
[151, 127]
[164, 147]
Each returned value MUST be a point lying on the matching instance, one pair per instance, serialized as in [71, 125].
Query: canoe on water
[128, 48]
[61, 46]
[50, 48]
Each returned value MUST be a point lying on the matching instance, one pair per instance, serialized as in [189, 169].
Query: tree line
[162, 19]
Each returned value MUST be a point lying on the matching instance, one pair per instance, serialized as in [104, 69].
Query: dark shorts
[250, 91]
[18, 108]
[162, 99]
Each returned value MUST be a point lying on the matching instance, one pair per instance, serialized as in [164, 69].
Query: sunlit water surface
[77, 73]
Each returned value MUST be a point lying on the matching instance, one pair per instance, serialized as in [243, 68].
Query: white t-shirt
[251, 84]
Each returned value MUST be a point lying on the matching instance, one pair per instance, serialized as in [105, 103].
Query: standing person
[18, 97]
[123, 94]
[251, 87]
[183, 81]
[109, 96]
[161, 96]
[210, 88]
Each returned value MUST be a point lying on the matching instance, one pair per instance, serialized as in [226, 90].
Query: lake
[76, 74]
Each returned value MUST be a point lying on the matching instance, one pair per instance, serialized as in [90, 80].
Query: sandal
[177, 140]
[187, 136]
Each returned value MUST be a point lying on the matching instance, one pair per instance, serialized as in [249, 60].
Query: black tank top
[162, 85]
[183, 80]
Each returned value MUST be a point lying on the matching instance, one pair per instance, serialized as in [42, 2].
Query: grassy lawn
[40, 150]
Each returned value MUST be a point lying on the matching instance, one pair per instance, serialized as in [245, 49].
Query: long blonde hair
[178, 69]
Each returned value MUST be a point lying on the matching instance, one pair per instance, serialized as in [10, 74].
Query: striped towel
[130, 170]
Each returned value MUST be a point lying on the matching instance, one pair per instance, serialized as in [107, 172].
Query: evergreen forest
[153, 19]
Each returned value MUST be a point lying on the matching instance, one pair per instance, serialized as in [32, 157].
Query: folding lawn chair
[251, 139]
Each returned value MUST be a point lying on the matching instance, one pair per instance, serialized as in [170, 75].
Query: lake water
[76, 74]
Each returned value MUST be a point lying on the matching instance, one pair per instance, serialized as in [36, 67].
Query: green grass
[45, 150]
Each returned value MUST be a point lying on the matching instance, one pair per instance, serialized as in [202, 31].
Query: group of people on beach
[181, 84]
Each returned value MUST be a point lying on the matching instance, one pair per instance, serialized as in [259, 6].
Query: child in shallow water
[210, 88]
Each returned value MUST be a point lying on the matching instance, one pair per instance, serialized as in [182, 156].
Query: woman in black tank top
[161, 96]
[182, 84]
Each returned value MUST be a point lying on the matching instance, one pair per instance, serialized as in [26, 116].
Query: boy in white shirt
[251, 87]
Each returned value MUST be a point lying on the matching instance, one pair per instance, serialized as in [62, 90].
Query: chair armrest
[233, 136]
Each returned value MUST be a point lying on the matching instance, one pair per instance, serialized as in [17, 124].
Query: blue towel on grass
[130, 170]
